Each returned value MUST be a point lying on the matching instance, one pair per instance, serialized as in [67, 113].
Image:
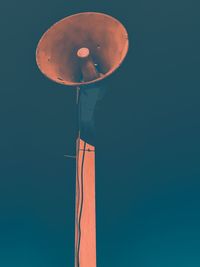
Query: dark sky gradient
[148, 141]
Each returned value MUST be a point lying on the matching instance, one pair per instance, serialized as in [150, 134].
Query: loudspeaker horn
[62, 46]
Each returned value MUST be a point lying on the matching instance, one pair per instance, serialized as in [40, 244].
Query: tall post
[85, 221]
[85, 215]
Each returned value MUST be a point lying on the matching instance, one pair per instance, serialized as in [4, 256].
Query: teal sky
[148, 145]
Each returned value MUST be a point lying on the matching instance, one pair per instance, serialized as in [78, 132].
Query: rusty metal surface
[103, 35]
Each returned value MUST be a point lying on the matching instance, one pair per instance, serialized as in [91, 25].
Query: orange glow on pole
[85, 217]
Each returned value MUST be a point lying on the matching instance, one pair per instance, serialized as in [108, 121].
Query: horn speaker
[63, 46]
[79, 50]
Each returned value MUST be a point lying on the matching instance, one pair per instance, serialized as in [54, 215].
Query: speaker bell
[62, 45]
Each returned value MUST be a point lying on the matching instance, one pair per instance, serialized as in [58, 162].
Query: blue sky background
[148, 128]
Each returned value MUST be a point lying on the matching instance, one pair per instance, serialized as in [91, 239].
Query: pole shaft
[85, 221]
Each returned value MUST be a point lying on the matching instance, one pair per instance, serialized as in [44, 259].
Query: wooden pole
[85, 219]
